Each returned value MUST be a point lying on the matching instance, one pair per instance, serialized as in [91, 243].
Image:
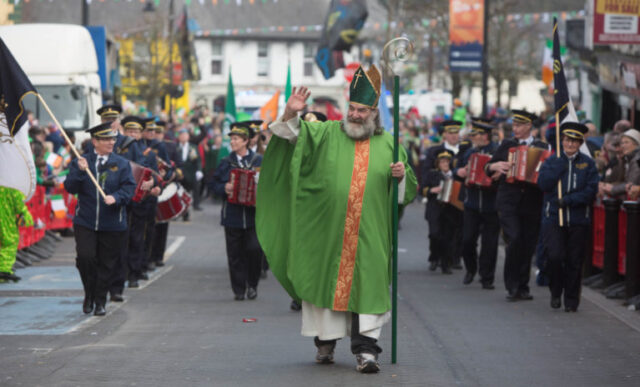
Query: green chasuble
[324, 216]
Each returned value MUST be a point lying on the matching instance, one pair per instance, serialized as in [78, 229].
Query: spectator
[629, 143]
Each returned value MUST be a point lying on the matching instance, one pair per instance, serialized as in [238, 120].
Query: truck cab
[60, 60]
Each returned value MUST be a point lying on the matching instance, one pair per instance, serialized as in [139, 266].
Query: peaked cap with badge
[110, 112]
[132, 122]
[103, 130]
[523, 116]
[574, 130]
[246, 129]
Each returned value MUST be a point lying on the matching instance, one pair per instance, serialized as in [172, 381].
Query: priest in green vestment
[324, 218]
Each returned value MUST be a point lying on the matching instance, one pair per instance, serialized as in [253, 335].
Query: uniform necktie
[100, 163]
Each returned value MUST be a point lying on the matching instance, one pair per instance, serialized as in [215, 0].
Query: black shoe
[512, 296]
[263, 274]
[488, 286]
[468, 278]
[133, 283]
[151, 266]
[524, 295]
[252, 293]
[9, 276]
[446, 270]
[571, 309]
[433, 266]
[99, 310]
[457, 266]
[159, 263]
[239, 297]
[295, 306]
[197, 208]
[556, 303]
[117, 298]
[87, 305]
[143, 276]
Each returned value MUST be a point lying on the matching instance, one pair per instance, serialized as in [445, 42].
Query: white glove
[199, 175]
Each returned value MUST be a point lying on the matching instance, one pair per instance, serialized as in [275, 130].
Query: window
[216, 58]
[263, 59]
[141, 52]
[309, 60]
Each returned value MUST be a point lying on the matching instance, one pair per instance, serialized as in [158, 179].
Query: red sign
[616, 22]
[350, 70]
[176, 75]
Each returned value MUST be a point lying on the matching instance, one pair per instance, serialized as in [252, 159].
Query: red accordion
[450, 193]
[140, 174]
[476, 176]
[244, 187]
[526, 162]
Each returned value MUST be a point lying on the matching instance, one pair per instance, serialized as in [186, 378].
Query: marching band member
[519, 209]
[99, 225]
[243, 249]
[567, 246]
[480, 218]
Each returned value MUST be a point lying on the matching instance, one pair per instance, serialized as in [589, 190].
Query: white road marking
[174, 246]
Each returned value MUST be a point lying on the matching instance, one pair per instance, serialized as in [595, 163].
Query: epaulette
[125, 144]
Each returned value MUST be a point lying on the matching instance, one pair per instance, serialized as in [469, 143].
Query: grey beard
[359, 132]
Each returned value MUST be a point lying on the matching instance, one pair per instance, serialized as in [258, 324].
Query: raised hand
[296, 103]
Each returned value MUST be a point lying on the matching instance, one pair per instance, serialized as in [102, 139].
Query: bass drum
[171, 203]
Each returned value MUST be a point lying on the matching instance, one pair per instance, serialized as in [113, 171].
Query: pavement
[183, 327]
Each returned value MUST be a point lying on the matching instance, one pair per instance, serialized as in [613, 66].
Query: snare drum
[172, 202]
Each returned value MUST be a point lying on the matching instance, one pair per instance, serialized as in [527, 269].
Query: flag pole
[71, 145]
[560, 211]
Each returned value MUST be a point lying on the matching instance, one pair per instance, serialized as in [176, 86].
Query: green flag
[230, 106]
[287, 87]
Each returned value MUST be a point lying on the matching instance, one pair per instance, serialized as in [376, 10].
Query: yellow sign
[620, 7]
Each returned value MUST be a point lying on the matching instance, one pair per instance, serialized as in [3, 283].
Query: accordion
[526, 162]
[450, 193]
[244, 187]
[476, 176]
[140, 174]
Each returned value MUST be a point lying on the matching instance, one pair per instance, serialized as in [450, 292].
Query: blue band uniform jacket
[579, 188]
[116, 180]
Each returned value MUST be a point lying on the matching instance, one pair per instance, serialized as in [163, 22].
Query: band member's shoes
[197, 208]
[433, 266]
[87, 305]
[100, 311]
[159, 263]
[570, 308]
[295, 306]
[556, 303]
[512, 296]
[446, 271]
[9, 277]
[488, 286]
[117, 298]
[525, 296]
[468, 278]
[151, 266]
[325, 353]
[457, 266]
[143, 276]
[239, 297]
[252, 293]
[133, 283]
[367, 363]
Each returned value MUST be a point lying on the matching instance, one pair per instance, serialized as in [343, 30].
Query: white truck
[60, 60]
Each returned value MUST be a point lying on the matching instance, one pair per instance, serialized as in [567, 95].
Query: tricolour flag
[547, 63]
[17, 169]
[565, 112]
[269, 112]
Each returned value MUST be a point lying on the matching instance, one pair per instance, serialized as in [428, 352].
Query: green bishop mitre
[365, 87]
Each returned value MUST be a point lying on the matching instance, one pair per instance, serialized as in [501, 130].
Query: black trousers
[135, 254]
[359, 343]
[97, 252]
[149, 235]
[520, 227]
[566, 248]
[159, 242]
[245, 258]
[487, 226]
[446, 238]
[121, 267]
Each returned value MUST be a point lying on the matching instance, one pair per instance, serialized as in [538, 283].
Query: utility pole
[171, 10]
[85, 12]
[485, 58]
